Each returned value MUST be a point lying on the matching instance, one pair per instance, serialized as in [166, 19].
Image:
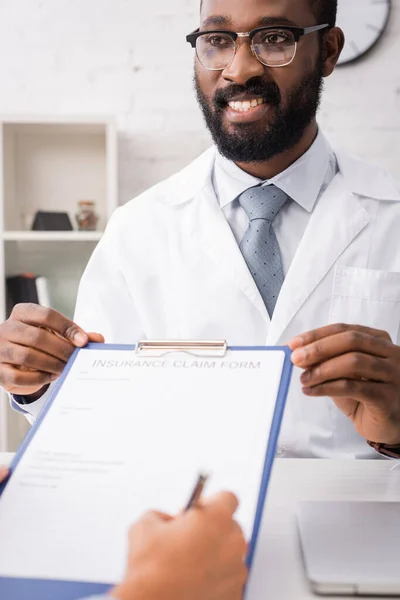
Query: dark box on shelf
[51, 221]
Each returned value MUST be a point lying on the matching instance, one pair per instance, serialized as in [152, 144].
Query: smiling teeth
[247, 105]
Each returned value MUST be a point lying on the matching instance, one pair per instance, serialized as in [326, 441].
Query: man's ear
[334, 42]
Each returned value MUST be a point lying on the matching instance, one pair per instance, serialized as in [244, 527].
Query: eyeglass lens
[273, 48]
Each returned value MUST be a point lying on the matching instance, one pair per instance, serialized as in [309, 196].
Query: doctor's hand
[359, 368]
[35, 345]
[199, 555]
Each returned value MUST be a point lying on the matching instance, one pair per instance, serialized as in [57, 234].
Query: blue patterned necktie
[259, 246]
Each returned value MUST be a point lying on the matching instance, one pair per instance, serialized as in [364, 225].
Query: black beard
[249, 144]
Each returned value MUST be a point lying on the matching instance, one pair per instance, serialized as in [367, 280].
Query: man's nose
[244, 66]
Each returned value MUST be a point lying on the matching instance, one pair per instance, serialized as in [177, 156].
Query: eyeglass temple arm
[315, 28]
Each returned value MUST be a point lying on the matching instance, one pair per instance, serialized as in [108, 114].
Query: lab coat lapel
[337, 219]
[218, 242]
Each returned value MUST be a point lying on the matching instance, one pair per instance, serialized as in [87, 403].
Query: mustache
[269, 91]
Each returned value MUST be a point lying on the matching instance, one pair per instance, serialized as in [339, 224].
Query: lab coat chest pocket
[366, 297]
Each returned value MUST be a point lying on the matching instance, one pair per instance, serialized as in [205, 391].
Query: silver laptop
[351, 548]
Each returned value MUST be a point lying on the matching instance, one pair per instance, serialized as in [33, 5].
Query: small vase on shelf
[86, 217]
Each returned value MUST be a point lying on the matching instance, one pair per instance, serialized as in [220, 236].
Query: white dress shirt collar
[302, 181]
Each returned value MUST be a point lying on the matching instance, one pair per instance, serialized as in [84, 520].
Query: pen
[197, 491]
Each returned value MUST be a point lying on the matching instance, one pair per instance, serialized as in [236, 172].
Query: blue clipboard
[43, 589]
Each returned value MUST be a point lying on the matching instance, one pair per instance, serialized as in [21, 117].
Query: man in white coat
[270, 237]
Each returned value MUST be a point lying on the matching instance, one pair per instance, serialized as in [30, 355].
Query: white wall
[129, 58]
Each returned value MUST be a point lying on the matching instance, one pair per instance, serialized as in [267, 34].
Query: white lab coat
[168, 267]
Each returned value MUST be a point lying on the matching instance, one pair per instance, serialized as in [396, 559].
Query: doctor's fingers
[30, 358]
[17, 381]
[28, 336]
[40, 316]
[323, 332]
[354, 365]
[364, 392]
[97, 338]
[342, 343]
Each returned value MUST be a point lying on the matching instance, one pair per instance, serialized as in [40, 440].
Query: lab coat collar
[301, 181]
[363, 180]
[358, 177]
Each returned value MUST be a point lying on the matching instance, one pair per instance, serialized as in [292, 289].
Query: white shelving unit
[50, 165]
[52, 236]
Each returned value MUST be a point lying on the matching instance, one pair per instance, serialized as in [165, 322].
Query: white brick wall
[97, 57]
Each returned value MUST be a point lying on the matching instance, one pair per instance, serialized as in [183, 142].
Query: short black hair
[324, 10]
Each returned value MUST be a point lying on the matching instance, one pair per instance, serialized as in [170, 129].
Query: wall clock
[364, 23]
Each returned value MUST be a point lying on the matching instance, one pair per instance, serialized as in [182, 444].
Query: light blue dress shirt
[304, 181]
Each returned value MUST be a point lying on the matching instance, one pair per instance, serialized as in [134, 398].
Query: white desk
[297, 480]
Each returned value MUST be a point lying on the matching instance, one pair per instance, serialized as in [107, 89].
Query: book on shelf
[26, 288]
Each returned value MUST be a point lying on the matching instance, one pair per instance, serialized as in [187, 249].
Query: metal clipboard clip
[199, 348]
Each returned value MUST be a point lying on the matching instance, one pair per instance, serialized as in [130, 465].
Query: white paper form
[127, 434]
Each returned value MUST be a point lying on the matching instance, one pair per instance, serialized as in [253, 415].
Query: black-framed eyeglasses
[274, 46]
